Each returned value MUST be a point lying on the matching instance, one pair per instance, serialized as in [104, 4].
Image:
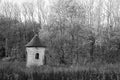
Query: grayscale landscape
[59, 39]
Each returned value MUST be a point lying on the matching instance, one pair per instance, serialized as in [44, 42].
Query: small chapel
[35, 52]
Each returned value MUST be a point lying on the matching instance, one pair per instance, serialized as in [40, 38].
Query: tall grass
[18, 71]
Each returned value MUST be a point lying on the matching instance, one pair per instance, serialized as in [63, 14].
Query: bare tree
[7, 9]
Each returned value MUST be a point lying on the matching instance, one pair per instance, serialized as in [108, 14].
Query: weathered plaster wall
[31, 51]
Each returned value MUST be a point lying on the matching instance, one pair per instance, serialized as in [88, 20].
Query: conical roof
[35, 42]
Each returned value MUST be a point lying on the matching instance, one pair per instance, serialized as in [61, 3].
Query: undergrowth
[18, 71]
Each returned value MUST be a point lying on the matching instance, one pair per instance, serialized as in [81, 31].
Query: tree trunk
[6, 47]
[92, 45]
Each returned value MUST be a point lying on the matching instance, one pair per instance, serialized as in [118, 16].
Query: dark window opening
[37, 56]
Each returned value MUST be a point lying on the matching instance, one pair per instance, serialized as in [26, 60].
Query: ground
[18, 71]
[100, 67]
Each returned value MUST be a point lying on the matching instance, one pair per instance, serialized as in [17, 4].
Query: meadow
[18, 71]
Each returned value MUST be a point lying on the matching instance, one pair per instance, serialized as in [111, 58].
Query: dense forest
[75, 31]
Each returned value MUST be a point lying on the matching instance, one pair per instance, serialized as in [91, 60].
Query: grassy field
[18, 71]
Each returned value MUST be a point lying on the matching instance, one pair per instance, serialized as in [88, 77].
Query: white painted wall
[31, 51]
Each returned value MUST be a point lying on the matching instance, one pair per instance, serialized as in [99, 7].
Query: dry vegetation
[18, 71]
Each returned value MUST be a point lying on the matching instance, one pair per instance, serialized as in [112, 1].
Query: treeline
[14, 35]
[74, 32]
[77, 33]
